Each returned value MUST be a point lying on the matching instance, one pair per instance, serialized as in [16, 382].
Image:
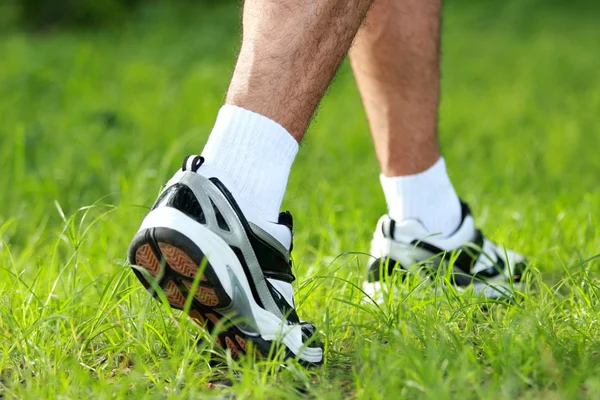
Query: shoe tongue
[285, 218]
[192, 163]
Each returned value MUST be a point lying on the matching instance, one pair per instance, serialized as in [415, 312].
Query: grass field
[93, 123]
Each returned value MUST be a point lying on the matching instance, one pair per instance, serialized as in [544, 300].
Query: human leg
[396, 62]
[395, 59]
[290, 52]
[223, 206]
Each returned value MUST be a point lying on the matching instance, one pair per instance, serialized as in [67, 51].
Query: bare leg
[396, 62]
[395, 58]
[224, 206]
[290, 52]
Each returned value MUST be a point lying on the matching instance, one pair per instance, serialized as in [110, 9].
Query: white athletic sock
[427, 196]
[256, 154]
[252, 155]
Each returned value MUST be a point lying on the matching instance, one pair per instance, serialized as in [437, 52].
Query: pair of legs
[223, 207]
[291, 50]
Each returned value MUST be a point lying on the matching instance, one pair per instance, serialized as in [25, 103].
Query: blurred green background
[101, 100]
[52, 14]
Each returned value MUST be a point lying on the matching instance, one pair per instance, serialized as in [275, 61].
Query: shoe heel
[174, 262]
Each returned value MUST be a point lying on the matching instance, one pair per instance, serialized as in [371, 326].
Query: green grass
[92, 123]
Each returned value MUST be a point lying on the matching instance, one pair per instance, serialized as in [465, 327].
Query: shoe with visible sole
[492, 271]
[196, 227]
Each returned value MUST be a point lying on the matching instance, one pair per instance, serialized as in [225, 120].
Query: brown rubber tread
[174, 295]
[178, 260]
[198, 318]
[145, 258]
[173, 259]
[242, 343]
[232, 347]
[213, 318]
[204, 295]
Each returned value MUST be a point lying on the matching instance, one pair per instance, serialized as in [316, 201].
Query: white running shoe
[492, 271]
[196, 218]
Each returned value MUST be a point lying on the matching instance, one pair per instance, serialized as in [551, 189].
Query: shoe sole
[169, 246]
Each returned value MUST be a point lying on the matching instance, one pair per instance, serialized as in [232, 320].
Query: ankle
[428, 197]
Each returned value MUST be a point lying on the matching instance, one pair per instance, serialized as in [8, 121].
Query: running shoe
[492, 271]
[196, 227]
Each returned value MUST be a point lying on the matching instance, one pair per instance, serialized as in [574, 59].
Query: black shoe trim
[392, 228]
[220, 220]
[240, 256]
[192, 163]
[375, 273]
[465, 210]
[286, 219]
[467, 257]
[308, 333]
[469, 254]
[272, 262]
[286, 309]
[181, 197]
[279, 276]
